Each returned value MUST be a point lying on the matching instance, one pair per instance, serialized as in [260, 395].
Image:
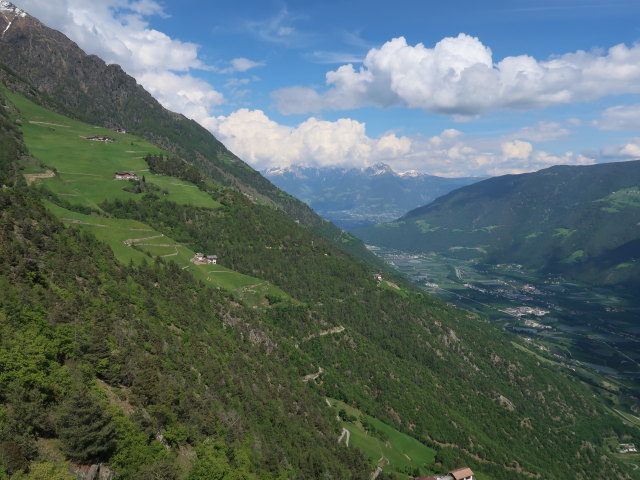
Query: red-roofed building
[462, 474]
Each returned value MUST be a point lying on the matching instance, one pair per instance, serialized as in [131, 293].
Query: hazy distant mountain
[353, 198]
[583, 221]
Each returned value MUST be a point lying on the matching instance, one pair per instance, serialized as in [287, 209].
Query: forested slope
[50, 69]
[580, 221]
[198, 382]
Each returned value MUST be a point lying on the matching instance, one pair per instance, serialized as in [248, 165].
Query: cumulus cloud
[458, 76]
[629, 150]
[621, 117]
[451, 154]
[184, 93]
[265, 143]
[118, 32]
[516, 150]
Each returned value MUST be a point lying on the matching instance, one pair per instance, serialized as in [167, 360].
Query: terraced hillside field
[80, 172]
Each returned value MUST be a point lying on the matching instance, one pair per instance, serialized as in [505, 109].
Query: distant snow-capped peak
[372, 171]
[9, 7]
[294, 170]
[379, 169]
[276, 171]
[410, 173]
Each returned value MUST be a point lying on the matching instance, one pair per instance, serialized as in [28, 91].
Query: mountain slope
[431, 371]
[353, 198]
[53, 71]
[197, 381]
[582, 221]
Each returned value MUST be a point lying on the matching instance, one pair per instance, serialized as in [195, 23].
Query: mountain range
[578, 221]
[354, 197]
[125, 352]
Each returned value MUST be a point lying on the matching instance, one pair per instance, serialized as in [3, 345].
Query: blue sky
[449, 88]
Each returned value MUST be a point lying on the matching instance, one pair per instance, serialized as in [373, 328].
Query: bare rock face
[97, 471]
[56, 66]
[106, 473]
[48, 67]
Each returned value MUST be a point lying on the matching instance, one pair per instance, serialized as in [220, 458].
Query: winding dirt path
[519, 470]
[312, 376]
[32, 177]
[80, 222]
[130, 241]
[346, 434]
[47, 123]
[322, 333]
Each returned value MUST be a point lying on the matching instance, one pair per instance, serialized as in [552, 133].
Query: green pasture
[85, 168]
[625, 198]
[133, 241]
[397, 453]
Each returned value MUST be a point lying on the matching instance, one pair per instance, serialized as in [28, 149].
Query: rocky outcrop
[98, 471]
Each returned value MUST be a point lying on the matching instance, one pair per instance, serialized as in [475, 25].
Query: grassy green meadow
[85, 168]
[136, 242]
[83, 174]
[386, 447]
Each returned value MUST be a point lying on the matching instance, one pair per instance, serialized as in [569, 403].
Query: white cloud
[629, 150]
[188, 95]
[117, 31]
[264, 143]
[517, 149]
[244, 64]
[543, 131]
[458, 76]
[621, 117]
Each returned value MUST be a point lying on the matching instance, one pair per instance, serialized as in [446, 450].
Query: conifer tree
[86, 431]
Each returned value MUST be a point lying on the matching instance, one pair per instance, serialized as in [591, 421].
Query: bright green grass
[400, 454]
[85, 176]
[563, 233]
[424, 226]
[625, 198]
[86, 168]
[133, 241]
[533, 235]
[576, 256]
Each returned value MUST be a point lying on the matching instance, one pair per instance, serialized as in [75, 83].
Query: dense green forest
[149, 370]
[142, 367]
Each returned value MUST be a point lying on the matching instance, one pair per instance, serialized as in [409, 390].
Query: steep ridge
[52, 70]
[198, 382]
[580, 221]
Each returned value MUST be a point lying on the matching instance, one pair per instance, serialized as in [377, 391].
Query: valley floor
[592, 332]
